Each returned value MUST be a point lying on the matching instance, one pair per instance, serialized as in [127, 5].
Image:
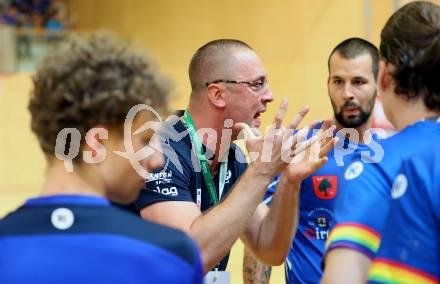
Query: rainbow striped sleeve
[354, 236]
[388, 271]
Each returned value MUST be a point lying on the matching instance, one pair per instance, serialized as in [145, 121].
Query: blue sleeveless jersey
[363, 206]
[83, 239]
[316, 213]
[410, 247]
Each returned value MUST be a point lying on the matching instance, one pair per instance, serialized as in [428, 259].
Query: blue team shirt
[83, 239]
[362, 208]
[316, 213]
[410, 247]
[182, 179]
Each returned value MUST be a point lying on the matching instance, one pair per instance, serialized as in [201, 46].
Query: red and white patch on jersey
[325, 187]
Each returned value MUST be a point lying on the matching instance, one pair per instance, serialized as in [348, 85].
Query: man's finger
[300, 135]
[326, 131]
[313, 124]
[318, 164]
[298, 118]
[245, 131]
[326, 148]
[303, 146]
[278, 120]
[326, 124]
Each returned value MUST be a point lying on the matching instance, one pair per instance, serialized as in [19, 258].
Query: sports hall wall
[293, 38]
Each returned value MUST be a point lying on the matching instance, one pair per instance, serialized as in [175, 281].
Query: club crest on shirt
[354, 170]
[399, 186]
[325, 187]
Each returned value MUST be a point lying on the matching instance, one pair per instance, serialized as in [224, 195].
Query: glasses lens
[258, 85]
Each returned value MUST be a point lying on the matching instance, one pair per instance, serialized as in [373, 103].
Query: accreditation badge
[217, 277]
[199, 197]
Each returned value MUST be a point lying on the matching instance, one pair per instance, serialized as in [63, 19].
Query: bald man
[200, 194]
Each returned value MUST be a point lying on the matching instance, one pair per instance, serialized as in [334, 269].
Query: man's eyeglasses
[256, 85]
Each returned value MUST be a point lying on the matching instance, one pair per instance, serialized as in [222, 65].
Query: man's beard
[358, 120]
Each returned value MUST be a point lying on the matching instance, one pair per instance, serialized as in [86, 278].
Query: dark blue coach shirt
[181, 178]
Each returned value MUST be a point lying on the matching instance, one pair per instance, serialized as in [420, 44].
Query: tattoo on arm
[253, 271]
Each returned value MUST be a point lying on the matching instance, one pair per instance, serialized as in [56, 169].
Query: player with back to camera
[71, 233]
[409, 87]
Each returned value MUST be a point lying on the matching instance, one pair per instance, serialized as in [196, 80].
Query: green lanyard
[204, 162]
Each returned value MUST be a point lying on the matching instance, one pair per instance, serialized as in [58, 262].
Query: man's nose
[267, 97]
[348, 93]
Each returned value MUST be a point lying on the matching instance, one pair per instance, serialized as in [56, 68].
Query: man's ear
[328, 84]
[384, 78]
[95, 150]
[216, 95]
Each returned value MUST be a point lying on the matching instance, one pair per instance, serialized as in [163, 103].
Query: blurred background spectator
[10, 16]
[33, 27]
[50, 14]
